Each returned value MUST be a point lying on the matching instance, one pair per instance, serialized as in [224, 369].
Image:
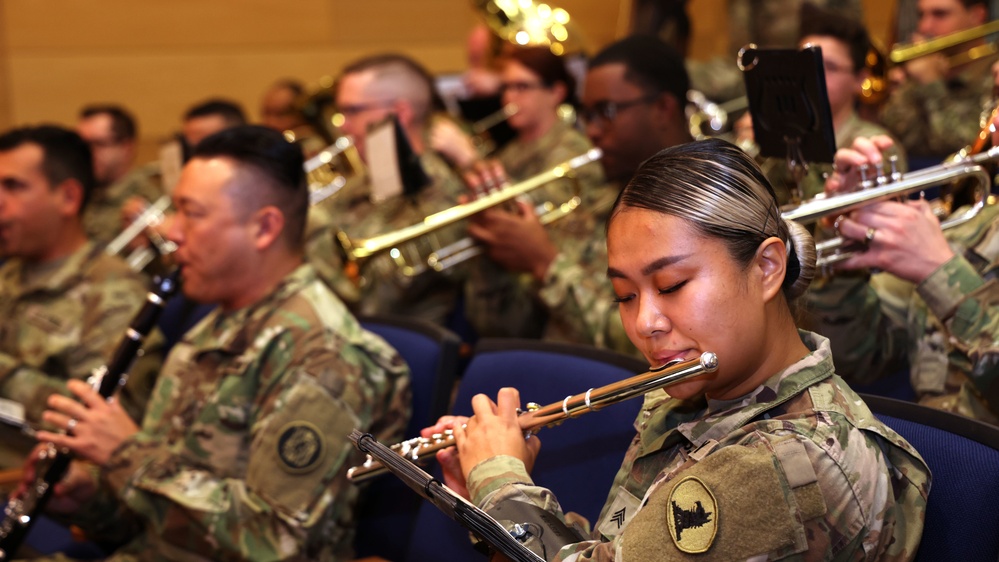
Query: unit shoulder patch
[301, 447]
[692, 516]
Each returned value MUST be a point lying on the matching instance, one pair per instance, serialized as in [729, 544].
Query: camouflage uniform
[814, 182]
[102, 215]
[244, 450]
[942, 117]
[946, 328]
[70, 316]
[430, 296]
[503, 304]
[797, 468]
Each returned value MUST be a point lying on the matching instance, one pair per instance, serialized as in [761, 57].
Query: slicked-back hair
[721, 191]
[123, 125]
[65, 155]
[231, 112]
[838, 25]
[649, 63]
[276, 166]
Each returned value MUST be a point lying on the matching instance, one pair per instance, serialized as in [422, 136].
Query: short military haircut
[65, 155]
[229, 111]
[404, 78]
[840, 26]
[649, 63]
[123, 125]
[270, 158]
[294, 86]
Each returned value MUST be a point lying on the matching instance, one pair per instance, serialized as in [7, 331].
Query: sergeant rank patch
[692, 516]
[301, 447]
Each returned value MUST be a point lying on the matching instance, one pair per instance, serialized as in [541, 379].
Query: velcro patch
[301, 447]
[692, 516]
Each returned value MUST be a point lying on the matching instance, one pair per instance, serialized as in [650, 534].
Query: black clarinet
[21, 512]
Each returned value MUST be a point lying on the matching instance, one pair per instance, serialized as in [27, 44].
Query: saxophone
[21, 512]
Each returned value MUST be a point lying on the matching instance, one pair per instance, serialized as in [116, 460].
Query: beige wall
[159, 56]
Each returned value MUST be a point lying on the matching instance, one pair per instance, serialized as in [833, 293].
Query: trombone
[358, 251]
[906, 52]
[882, 188]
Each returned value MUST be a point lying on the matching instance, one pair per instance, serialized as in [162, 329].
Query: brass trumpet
[537, 416]
[358, 251]
[884, 187]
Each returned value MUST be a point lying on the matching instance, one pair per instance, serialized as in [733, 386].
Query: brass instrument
[906, 52]
[537, 416]
[358, 251]
[525, 22]
[882, 188]
[144, 225]
[328, 171]
[706, 118]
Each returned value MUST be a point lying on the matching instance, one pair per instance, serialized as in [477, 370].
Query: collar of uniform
[722, 418]
[235, 332]
[65, 275]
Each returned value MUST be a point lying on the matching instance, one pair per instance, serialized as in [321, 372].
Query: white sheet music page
[383, 162]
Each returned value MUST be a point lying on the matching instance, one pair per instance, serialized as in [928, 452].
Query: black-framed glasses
[520, 87]
[605, 111]
[353, 109]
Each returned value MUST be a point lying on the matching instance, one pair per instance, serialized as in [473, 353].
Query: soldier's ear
[268, 224]
[70, 193]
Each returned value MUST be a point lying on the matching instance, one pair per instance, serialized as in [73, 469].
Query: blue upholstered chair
[962, 516]
[577, 458]
[387, 508]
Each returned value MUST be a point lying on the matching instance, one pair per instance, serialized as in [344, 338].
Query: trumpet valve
[893, 163]
[865, 176]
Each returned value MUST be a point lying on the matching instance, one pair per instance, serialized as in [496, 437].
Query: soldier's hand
[94, 427]
[457, 146]
[76, 488]
[448, 458]
[484, 177]
[903, 239]
[847, 162]
[516, 241]
[493, 431]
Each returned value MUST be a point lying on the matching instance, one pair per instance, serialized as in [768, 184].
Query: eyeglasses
[104, 143]
[520, 87]
[605, 111]
[351, 110]
[833, 68]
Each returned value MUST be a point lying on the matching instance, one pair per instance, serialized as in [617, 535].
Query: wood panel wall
[158, 57]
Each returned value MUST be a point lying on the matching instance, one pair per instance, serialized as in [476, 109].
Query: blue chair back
[578, 459]
[962, 515]
[387, 508]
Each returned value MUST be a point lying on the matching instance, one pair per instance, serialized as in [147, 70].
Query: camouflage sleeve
[107, 310]
[295, 484]
[932, 119]
[580, 299]
[504, 478]
[968, 306]
[866, 343]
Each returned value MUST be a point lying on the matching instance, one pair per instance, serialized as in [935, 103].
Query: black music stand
[786, 89]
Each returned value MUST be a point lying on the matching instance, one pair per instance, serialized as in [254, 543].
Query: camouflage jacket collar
[65, 275]
[699, 421]
[235, 332]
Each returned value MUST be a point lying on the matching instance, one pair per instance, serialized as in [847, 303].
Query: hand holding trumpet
[514, 236]
[904, 239]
